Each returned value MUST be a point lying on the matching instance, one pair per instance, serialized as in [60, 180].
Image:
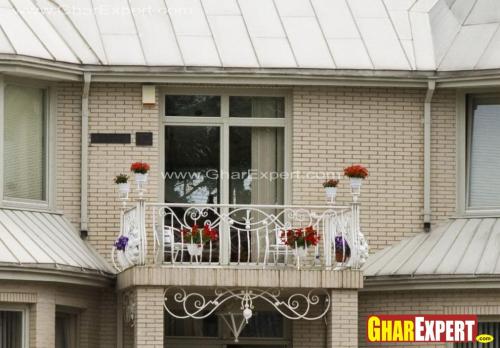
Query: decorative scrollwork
[309, 306]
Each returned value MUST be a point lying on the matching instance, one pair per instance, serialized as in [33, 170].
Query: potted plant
[197, 237]
[121, 243]
[140, 170]
[300, 239]
[123, 185]
[330, 187]
[342, 250]
[356, 173]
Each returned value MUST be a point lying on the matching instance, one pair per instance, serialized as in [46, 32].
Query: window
[12, 329]
[490, 328]
[225, 148]
[483, 158]
[24, 144]
[66, 328]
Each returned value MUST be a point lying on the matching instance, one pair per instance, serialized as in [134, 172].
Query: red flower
[356, 171]
[140, 167]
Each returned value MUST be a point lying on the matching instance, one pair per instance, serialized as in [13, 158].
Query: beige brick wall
[332, 127]
[149, 324]
[382, 129]
[97, 324]
[68, 154]
[480, 302]
[117, 108]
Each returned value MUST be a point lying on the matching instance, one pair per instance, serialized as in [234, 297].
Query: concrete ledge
[231, 277]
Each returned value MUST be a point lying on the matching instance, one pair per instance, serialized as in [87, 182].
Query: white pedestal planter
[300, 252]
[194, 249]
[124, 188]
[331, 194]
[141, 178]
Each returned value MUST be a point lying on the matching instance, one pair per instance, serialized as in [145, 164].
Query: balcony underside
[165, 276]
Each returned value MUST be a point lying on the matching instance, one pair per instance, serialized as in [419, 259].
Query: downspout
[84, 157]
[431, 86]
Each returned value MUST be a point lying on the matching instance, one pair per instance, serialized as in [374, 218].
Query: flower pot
[124, 188]
[331, 193]
[141, 178]
[300, 252]
[356, 184]
[194, 249]
[341, 257]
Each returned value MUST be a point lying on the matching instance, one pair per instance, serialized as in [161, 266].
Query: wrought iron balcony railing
[262, 236]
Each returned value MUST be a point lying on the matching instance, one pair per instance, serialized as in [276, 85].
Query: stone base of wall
[96, 310]
[482, 302]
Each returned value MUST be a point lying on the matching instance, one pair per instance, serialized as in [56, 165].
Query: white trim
[49, 140]
[225, 122]
[24, 309]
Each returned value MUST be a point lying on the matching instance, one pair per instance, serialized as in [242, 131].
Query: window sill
[479, 213]
[26, 205]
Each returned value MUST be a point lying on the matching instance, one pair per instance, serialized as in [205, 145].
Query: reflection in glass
[24, 143]
[192, 105]
[11, 329]
[256, 160]
[265, 324]
[484, 154]
[192, 164]
[266, 107]
[208, 327]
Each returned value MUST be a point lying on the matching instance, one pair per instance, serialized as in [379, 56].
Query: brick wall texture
[485, 303]
[332, 127]
[381, 128]
[96, 308]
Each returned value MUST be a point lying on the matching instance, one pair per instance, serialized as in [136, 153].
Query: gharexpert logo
[421, 328]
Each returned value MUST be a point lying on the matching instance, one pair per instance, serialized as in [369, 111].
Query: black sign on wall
[144, 138]
[110, 138]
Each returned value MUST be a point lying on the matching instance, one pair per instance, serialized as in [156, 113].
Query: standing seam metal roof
[321, 34]
[458, 247]
[45, 240]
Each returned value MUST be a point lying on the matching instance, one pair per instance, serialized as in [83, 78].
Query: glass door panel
[192, 163]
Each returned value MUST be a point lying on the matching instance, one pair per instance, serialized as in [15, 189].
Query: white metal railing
[247, 235]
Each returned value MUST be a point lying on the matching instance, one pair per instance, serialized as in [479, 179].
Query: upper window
[24, 147]
[483, 143]
[236, 155]
[192, 105]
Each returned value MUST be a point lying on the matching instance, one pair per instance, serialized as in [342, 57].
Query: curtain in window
[11, 326]
[484, 162]
[24, 143]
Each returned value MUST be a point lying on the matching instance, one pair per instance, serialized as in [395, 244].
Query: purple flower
[342, 246]
[121, 243]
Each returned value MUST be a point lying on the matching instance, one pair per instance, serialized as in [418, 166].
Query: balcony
[240, 236]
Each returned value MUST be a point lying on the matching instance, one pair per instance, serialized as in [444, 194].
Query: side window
[24, 145]
[12, 329]
[483, 157]
[66, 328]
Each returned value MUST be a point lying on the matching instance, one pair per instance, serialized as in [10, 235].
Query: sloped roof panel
[317, 34]
[44, 240]
[157, 51]
[458, 247]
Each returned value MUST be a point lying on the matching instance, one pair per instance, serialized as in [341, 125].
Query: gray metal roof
[45, 240]
[458, 247]
[321, 34]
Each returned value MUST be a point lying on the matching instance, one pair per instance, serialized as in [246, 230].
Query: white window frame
[50, 132]
[25, 320]
[463, 154]
[225, 122]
